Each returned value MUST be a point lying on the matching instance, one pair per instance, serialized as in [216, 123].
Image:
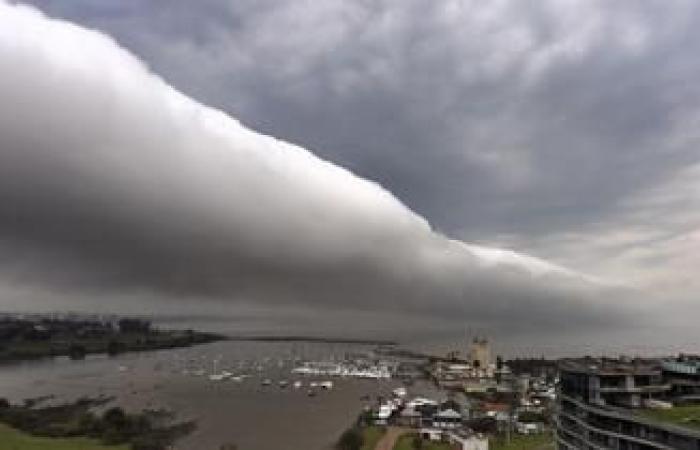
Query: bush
[114, 436]
[531, 417]
[76, 351]
[88, 424]
[417, 443]
[115, 347]
[115, 417]
[350, 440]
[114, 426]
[149, 442]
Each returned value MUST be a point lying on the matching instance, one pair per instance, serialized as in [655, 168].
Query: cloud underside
[111, 181]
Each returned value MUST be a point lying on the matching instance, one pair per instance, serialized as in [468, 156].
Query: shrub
[417, 443]
[350, 440]
[115, 417]
[76, 351]
[149, 442]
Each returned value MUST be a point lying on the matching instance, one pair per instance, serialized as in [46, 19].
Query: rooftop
[685, 365]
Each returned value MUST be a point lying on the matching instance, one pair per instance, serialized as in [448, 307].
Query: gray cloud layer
[111, 180]
[544, 126]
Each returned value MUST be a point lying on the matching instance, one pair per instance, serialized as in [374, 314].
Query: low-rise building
[529, 427]
[447, 419]
[410, 417]
[683, 376]
[468, 440]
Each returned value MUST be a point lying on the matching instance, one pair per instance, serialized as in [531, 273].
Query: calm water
[247, 413]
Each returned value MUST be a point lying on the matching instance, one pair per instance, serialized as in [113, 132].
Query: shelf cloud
[112, 181]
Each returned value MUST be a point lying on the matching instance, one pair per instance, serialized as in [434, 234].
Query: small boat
[400, 392]
[266, 382]
[297, 384]
[283, 383]
[311, 393]
[328, 385]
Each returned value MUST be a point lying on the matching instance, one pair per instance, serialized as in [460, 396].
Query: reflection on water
[241, 409]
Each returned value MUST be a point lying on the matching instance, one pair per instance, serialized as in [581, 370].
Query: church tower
[480, 353]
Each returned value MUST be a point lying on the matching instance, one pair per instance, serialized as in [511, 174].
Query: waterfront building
[448, 418]
[410, 417]
[619, 404]
[683, 376]
[467, 440]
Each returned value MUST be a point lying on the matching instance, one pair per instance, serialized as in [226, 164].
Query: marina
[222, 386]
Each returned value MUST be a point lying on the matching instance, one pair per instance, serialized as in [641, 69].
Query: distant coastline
[27, 338]
[324, 340]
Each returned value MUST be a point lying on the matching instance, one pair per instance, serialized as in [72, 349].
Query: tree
[115, 417]
[115, 426]
[134, 326]
[76, 351]
[149, 442]
[350, 440]
[88, 424]
[114, 347]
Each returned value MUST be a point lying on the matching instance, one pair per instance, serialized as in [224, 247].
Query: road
[389, 439]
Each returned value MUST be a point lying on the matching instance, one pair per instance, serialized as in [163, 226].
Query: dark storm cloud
[507, 117]
[111, 180]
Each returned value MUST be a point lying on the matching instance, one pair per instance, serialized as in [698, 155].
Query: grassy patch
[687, 416]
[405, 442]
[148, 430]
[12, 439]
[544, 441]
[370, 436]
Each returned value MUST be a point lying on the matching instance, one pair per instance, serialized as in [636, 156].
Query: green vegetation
[41, 337]
[533, 417]
[351, 439]
[687, 416]
[13, 439]
[412, 441]
[362, 435]
[77, 347]
[544, 441]
[149, 430]
[370, 437]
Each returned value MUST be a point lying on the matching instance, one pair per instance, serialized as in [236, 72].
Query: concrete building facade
[601, 405]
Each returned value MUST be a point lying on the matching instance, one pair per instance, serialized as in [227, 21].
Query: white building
[447, 419]
[469, 441]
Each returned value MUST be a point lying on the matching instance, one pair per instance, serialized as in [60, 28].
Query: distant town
[620, 403]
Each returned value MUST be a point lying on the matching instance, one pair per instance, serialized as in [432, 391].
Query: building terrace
[622, 404]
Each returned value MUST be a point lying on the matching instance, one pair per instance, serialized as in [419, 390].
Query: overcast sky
[565, 130]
